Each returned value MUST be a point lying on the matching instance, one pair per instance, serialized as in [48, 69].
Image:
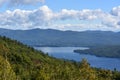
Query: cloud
[24, 2]
[15, 18]
[21, 2]
[116, 11]
[41, 16]
[74, 14]
[18, 18]
[44, 17]
[118, 23]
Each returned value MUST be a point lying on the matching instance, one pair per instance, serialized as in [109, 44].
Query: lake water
[67, 53]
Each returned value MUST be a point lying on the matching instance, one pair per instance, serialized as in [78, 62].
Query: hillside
[103, 51]
[20, 62]
[50, 37]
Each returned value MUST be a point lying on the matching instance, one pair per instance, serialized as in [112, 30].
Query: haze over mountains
[50, 37]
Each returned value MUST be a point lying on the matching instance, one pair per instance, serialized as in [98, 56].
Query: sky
[75, 15]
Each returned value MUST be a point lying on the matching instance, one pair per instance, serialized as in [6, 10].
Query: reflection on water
[67, 53]
[59, 49]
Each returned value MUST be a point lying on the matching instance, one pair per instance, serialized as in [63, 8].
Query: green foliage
[6, 72]
[87, 72]
[21, 62]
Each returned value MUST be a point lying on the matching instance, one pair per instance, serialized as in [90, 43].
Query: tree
[86, 72]
[6, 72]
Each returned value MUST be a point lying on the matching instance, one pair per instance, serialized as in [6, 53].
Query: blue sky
[105, 5]
[77, 15]
[57, 5]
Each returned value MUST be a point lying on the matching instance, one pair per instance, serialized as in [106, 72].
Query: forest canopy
[21, 62]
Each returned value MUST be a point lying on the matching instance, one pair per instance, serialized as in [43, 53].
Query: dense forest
[21, 62]
[111, 51]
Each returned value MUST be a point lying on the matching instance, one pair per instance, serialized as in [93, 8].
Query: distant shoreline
[109, 51]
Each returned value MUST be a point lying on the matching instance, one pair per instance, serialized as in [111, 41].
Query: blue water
[67, 53]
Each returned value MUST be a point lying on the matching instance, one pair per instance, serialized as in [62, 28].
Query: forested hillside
[21, 62]
[102, 51]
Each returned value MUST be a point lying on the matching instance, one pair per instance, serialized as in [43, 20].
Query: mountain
[50, 37]
[21, 62]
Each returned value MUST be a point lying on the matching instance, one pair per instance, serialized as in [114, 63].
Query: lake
[67, 53]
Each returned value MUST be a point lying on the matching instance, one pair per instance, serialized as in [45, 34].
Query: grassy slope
[25, 63]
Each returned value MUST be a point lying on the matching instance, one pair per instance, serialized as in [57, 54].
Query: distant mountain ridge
[51, 37]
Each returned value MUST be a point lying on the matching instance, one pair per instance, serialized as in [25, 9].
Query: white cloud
[66, 14]
[44, 17]
[24, 2]
[21, 2]
[41, 16]
[74, 14]
[116, 11]
[18, 18]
